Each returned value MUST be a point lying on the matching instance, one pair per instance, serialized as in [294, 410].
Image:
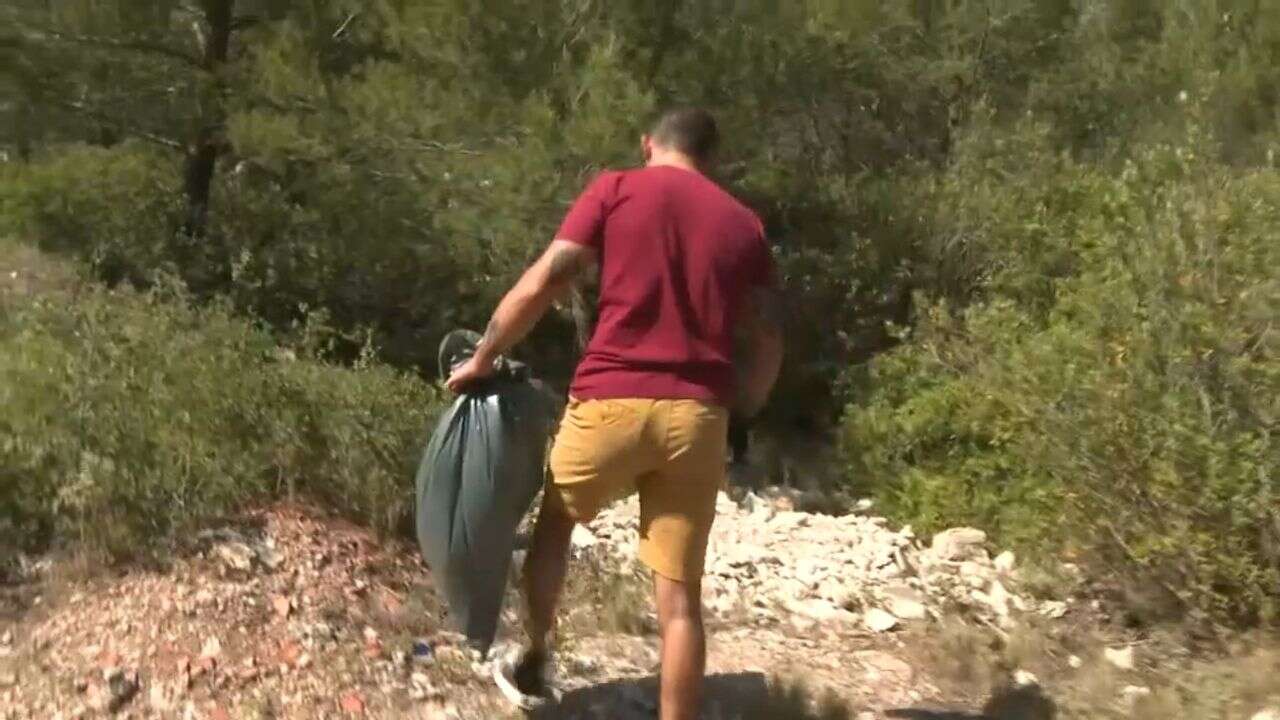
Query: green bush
[128, 418]
[116, 208]
[1114, 387]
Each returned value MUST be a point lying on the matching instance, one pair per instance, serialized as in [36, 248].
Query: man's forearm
[759, 373]
[516, 315]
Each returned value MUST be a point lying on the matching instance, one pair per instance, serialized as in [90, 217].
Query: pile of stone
[767, 558]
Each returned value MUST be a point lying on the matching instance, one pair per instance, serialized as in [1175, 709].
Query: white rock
[976, 575]
[819, 610]
[1267, 714]
[1005, 562]
[957, 543]
[905, 603]
[803, 624]
[1121, 658]
[583, 538]
[1131, 694]
[1022, 678]
[877, 620]
[212, 648]
[235, 555]
[1053, 609]
[997, 599]
[1075, 663]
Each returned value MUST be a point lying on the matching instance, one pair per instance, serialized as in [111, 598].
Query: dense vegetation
[128, 417]
[1030, 242]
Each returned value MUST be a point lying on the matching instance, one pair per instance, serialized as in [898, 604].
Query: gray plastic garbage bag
[480, 473]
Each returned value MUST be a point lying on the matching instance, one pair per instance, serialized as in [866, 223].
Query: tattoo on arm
[565, 262]
[520, 309]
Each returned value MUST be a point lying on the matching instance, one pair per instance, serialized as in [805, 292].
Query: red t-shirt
[678, 256]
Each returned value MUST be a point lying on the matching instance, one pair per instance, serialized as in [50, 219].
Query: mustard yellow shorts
[670, 451]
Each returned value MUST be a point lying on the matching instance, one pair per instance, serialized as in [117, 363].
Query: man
[684, 271]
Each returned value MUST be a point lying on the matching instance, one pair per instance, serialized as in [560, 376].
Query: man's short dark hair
[690, 130]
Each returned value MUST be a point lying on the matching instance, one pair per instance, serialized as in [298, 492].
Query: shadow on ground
[1021, 703]
[752, 696]
[737, 696]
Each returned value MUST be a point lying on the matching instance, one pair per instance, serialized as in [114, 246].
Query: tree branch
[115, 44]
[343, 27]
[82, 109]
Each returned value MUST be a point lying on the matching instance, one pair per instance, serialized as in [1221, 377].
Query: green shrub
[127, 418]
[116, 208]
[1114, 389]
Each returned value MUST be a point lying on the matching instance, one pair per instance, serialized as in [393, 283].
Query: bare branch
[343, 27]
[133, 45]
[82, 109]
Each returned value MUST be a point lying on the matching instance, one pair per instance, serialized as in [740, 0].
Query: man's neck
[676, 160]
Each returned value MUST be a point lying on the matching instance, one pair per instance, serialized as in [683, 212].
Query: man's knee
[678, 600]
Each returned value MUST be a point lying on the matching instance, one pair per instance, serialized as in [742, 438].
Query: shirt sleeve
[584, 223]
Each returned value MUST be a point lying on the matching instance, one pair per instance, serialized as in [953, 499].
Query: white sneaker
[524, 679]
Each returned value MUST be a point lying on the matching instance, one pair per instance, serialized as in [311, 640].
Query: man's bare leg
[684, 647]
[544, 573]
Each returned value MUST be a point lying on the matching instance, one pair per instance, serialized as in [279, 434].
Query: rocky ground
[287, 613]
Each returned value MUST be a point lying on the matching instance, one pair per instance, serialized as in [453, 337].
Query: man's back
[678, 256]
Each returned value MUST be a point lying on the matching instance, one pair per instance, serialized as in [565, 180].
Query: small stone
[8, 679]
[1121, 658]
[212, 648]
[304, 661]
[958, 543]
[583, 538]
[819, 610]
[877, 620]
[1054, 609]
[975, 574]
[864, 505]
[351, 703]
[269, 558]
[290, 653]
[1005, 562]
[1023, 678]
[158, 698]
[282, 606]
[999, 599]
[6, 637]
[1131, 694]
[235, 556]
[1267, 714]
[906, 603]
[1075, 663]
